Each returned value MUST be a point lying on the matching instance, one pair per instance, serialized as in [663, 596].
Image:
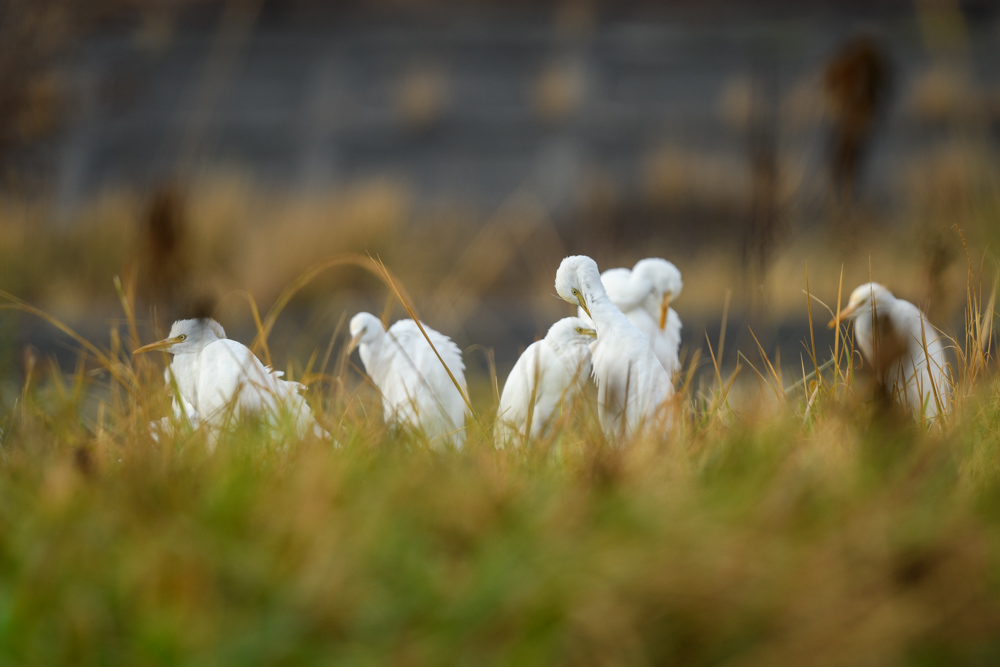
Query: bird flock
[626, 337]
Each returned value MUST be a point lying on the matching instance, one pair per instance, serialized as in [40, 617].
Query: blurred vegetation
[802, 523]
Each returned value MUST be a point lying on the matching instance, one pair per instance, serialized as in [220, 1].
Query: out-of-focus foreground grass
[821, 530]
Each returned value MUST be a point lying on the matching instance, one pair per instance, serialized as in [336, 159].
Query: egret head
[862, 300]
[365, 328]
[187, 336]
[665, 279]
[570, 331]
[575, 278]
[570, 338]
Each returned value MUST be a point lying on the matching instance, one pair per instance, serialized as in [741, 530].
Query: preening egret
[633, 388]
[644, 294]
[906, 351]
[548, 375]
[219, 379]
[416, 390]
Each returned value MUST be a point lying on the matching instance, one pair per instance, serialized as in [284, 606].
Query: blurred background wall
[197, 148]
[469, 102]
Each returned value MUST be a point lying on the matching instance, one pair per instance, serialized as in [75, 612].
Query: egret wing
[616, 284]
[427, 394]
[924, 362]
[412, 340]
[664, 342]
[234, 382]
[637, 386]
[515, 401]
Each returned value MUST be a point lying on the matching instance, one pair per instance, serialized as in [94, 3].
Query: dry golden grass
[236, 236]
[812, 529]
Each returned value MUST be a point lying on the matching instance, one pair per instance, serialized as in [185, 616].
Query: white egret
[416, 389]
[906, 351]
[644, 294]
[548, 375]
[219, 380]
[633, 388]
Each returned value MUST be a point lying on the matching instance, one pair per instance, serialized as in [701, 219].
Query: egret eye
[579, 330]
[182, 337]
[575, 292]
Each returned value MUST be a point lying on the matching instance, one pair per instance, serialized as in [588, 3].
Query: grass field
[789, 516]
[806, 524]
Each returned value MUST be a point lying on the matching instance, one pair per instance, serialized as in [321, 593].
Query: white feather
[219, 380]
[416, 389]
[633, 388]
[548, 376]
[917, 377]
[638, 293]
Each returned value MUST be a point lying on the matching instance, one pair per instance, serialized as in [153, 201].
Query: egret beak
[583, 304]
[843, 315]
[354, 342]
[664, 309]
[158, 345]
[591, 333]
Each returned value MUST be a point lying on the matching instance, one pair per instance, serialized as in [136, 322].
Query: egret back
[233, 382]
[924, 371]
[624, 290]
[415, 386]
[449, 352]
[894, 345]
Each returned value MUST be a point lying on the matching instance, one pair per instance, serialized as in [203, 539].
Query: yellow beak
[589, 332]
[664, 309]
[583, 304]
[354, 342]
[843, 315]
[158, 345]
